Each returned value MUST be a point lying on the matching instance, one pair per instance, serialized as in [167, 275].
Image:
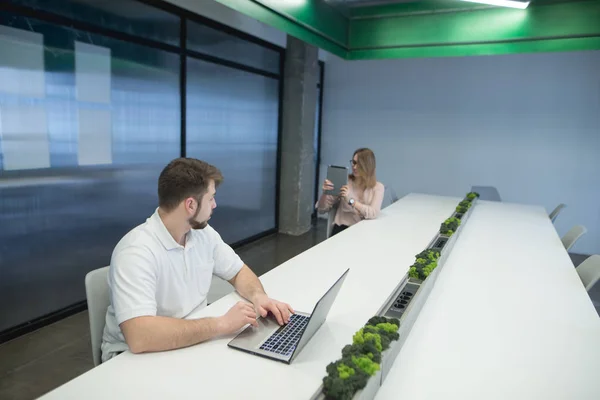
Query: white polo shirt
[151, 274]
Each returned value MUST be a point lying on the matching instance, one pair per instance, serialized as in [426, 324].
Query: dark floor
[36, 363]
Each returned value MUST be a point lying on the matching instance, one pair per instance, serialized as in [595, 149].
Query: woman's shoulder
[377, 188]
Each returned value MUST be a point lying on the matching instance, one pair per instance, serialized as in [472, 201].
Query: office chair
[589, 271]
[389, 197]
[556, 211]
[331, 218]
[489, 193]
[573, 235]
[98, 300]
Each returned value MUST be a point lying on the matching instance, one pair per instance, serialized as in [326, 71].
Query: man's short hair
[183, 178]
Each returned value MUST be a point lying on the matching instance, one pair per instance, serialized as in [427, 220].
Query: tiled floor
[43, 360]
[34, 364]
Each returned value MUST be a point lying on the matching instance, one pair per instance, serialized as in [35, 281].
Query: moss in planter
[428, 254]
[449, 226]
[424, 265]
[367, 349]
[342, 380]
[421, 272]
[361, 359]
[366, 364]
[465, 203]
[461, 209]
[387, 329]
[472, 195]
[365, 335]
[413, 273]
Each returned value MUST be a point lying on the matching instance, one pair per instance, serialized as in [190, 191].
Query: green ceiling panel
[478, 49]
[485, 25]
[432, 28]
[425, 6]
[302, 22]
[316, 14]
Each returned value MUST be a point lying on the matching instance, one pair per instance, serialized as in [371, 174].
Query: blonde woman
[360, 199]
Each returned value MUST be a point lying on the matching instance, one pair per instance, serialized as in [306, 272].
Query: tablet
[338, 176]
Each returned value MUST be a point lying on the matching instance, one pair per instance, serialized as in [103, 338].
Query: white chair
[573, 235]
[389, 197]
[218, 288]
[98, 300]
[489, 193]
[556, 211]
[589, 271]
[331, 219]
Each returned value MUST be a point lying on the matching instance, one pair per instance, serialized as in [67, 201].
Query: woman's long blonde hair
[366, 166]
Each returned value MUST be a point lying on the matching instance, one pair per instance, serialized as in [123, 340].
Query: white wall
[527, 124]
[228, 16]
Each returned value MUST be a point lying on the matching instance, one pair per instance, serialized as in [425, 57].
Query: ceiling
[358, 3]
[370, 29]
[345, 5]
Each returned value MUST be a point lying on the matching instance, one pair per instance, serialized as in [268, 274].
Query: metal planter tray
[444, 243]
[373, 384]
[421, 290]
[412, 295]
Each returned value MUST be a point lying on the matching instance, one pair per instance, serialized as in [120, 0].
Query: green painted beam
[479, 26]
[478, 49]
[313, 13]
[418, 7]
[312, 21]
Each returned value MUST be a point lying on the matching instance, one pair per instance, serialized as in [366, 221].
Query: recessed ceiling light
[502, 3]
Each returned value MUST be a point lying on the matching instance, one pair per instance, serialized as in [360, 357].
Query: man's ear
[190, 205]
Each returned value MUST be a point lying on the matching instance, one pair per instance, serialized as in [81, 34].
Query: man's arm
[247, 284]
[154, 333]
[146, 334]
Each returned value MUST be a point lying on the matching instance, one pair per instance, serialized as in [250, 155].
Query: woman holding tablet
[360, 199]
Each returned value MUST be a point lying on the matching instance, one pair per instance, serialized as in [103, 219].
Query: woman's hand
[344, 191]
[327, 185]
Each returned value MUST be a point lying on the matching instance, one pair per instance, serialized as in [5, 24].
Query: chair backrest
[389, 196]
[556, 211]
[489, 193]
[98, 300]
[331, 219]
[589, 271]
[573, 235]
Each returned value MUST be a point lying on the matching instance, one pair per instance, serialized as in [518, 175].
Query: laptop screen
[320, 312]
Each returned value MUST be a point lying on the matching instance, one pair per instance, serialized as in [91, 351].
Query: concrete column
[297, 162]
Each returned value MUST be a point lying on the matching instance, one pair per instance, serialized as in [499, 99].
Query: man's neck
[177, 229]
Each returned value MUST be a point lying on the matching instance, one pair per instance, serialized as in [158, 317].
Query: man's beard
[195, 224]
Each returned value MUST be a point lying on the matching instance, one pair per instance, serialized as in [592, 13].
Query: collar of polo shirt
[165, 237]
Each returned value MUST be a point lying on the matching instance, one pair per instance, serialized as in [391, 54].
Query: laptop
[283, 343]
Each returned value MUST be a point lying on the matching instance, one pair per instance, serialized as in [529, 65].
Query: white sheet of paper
[22, 62]
[92, 73]
[24, 133]
[95, 137]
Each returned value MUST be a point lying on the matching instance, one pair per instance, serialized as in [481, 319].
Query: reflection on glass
[58, 223]
[232, 120]
[219, 44]
[128, 16]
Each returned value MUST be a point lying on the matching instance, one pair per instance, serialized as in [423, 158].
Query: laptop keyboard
[285, 339]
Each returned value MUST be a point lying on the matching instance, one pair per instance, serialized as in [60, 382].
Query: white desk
[378, 254]
[508, 318]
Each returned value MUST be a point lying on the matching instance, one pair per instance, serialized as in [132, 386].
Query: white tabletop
[508, 318]
[378, 253]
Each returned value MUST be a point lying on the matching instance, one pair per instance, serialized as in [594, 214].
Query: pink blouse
[346, 214]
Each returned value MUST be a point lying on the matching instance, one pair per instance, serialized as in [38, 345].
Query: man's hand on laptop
[264, 304]
[239, 315]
